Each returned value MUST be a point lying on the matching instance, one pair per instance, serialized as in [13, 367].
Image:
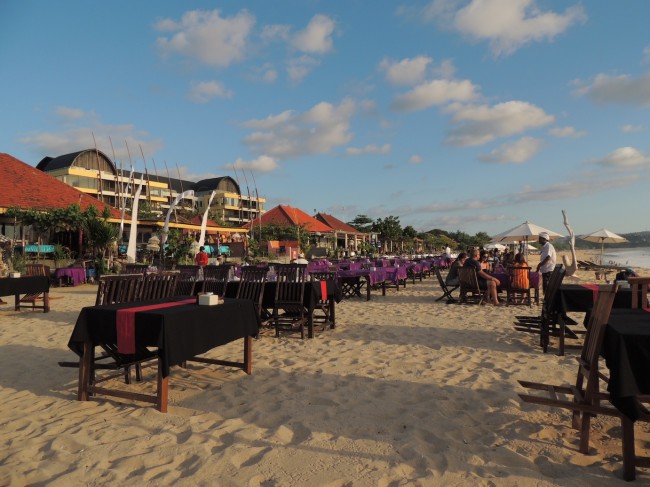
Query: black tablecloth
[626, 349]
[311, 297]
[574, 297]
[11, 286]
[179, 332]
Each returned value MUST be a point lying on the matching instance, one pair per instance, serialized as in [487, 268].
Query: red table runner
[125, 322]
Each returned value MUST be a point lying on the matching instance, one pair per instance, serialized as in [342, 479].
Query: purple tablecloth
[395, 274]
[76, 274]
[374, 277]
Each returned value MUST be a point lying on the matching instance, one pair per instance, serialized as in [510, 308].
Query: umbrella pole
[602, 250]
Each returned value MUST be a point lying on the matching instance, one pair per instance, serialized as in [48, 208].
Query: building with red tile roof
[25, 186]
[347, 237]
[285, 215]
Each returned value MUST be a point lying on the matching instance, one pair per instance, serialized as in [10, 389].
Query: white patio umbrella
[603, 236]
[523, 233]
[491, 246]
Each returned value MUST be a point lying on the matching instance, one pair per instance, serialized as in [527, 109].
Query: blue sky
[457, 114]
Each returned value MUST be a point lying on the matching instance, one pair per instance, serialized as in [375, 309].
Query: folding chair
[215, 278]
[469, 288]
[443, 285]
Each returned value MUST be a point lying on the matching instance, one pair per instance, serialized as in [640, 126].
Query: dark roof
[25, 186]
[178, 185]
[52, 163]
[212, 183]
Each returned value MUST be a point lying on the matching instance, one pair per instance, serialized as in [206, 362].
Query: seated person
[485, 281]
[485, 260]
[520, 279]
[301, 259]
[452, 276]
[624, 274]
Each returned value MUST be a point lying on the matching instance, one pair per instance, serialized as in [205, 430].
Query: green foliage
[61, 253]
[99, 233]
[409, 232]
[363, 223]
[388, 228]
[18, 262]
[178, 246]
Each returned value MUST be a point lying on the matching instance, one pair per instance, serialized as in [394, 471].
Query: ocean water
[636, 257]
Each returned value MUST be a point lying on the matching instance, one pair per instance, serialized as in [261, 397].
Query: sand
[405, 391]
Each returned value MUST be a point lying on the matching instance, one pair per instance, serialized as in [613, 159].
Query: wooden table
[179, 333]
[27, 285]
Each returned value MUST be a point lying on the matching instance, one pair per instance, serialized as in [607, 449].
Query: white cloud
[519, 151]
[262, 164]
[415, 159]
[269, 75]
[207, 37]
[289, 134]
[80, 137]
[316, 38]
[646, 56]
[480, 124]
[623, 89]
[632, 128]
[436, 92]
[369, 149]
[409, 71]
[275, 32]
[623, 157]
[68, 113]
[204, 91]
[568, 131]
[298, 68]
[506, 24]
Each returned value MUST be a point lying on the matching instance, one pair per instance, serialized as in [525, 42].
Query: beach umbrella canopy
[497, 246]
[603, 236]
[523, 233]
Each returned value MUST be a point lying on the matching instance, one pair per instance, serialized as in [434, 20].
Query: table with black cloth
[579, 298]
[15, 286]
[311, 298]
[180, 333]
[626, 349]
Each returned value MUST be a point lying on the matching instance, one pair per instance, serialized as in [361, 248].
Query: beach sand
[405, 391]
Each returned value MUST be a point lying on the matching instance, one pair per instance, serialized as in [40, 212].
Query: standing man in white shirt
[547, 259]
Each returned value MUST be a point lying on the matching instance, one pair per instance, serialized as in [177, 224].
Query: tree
[363, 223]
[388, 229]
[409, 232]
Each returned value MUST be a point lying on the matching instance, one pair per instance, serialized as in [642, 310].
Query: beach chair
[322, 316]
[251, 286]
[640, 287]
[188, 282]
[289, 309]
[518, 290]
[134, 269]
[30, 299]
[215, 278]
[470, 292]
[157, 286]
[445, 289]
[585, 398]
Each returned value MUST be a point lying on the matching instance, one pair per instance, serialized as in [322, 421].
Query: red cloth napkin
[125, 322]
[594, 289]
[323, 290]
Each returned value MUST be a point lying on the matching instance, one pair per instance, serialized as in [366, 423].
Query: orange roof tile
[336, 224]
[285, 215]
[25, 186]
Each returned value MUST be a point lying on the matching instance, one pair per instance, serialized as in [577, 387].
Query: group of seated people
[480, 261]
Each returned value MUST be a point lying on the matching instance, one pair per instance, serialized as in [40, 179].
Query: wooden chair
[158, 286]
[188, 282]
[518, 290]
[640, 287]
[30, 299]
[322, 315]
[134, 269]
[215, 278]
[122, 288]
[251, 286]
[289, 308]
[469, 288]
[585, 398]
[443, 285]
